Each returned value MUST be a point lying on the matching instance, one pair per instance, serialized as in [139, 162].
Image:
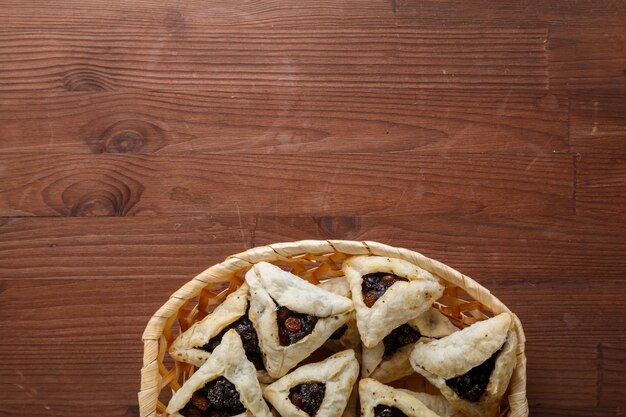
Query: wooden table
[143, 141]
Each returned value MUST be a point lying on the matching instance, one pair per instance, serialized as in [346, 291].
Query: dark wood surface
[143, 141]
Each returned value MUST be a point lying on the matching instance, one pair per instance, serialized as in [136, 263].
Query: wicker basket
[464, 302]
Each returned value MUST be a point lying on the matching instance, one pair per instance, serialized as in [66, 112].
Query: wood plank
[601, 185]
[282, 13]
[589, 59]
[201, 56]
[598, 122]
[573, 13]
[84, 322]
[484, 247]
[146, 14]
[87, 352]
[286, 121]
[79, 407]
[564, 410]
[138, 248]
[314, 184]
[611, 371]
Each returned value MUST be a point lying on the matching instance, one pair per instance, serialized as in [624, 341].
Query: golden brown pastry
[436, 403]
[292, 316]
[379, 400]
[317, 389]
[471, 367]
[347, 336]
[195, 345]
[389, 359]
[226, 381]
[387, 292]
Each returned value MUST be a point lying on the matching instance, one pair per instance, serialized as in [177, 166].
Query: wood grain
[102, 316]
[598, 122]
[191, 56]
[113, 185]
[286, 121]
[114, 14]
[572, 13]
[481, 246]
[119, 248]
[592, 59]
[489, 135]
[601, 184]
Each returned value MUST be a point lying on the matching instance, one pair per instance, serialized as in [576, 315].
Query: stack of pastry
[254, 351]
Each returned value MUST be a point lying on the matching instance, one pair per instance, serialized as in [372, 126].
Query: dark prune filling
[400, 336]
[337, 334]
[472, 385]
[293, 326]
[376, 284]
[218, 398]
[308, 396]
[249, 338]
[386, 411]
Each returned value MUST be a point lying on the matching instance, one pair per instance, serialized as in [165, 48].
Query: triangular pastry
[471, 367]
[347, 336]
[317, 389]
[195, 345]
[436, 403]
[225, 383]
[379, 400]
[389, 359]
[388, 292]
[292, 316]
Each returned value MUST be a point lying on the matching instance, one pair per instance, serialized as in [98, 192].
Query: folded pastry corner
[319, 389]
[389, 359]
[472, 367]
[225, 385]
[436, 403]
[379, 400]
[347, 336]
[194, 346]
[292, 316]
[388, 292]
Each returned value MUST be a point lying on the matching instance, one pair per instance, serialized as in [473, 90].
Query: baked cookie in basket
[289, 328]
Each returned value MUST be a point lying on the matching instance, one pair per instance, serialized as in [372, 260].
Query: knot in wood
[343, 227]
[124, 142]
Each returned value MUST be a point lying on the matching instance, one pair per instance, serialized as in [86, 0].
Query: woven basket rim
[151, 378]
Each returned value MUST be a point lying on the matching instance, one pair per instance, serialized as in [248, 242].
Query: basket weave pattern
[464, 302]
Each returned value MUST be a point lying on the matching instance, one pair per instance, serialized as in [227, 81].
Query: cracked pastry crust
[373, 393]
[228, 360]
[431, 325]
[339, 374]
[270, 287]
[462, 351]
[401, 302]
[186, 347]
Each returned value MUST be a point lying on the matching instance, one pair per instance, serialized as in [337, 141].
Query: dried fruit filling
[376, 284]
[472, 385]
[249, 338]
[338, 334]
[399, 337]
[218, 398]
[293, 326]
[386, 411]
[308, 396]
